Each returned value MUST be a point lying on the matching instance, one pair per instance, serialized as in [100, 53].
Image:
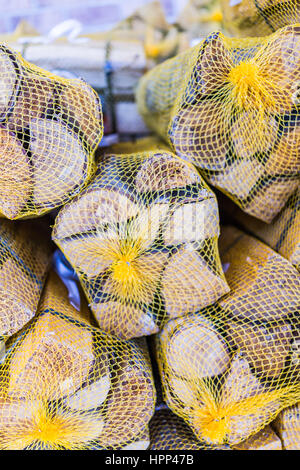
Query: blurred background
[95, 15]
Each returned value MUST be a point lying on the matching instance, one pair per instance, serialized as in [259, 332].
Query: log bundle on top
[230, 369]
[49, 130]
[258, 17]
[231, 107]
[143, 239]
[67, 385]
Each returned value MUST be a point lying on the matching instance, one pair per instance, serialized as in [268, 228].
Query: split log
[55, 356]
[81, 110]
[269, 198]
[243, 19]
[266, 439]
[93, 208]
[124, 320]
[15, 175]
[163, 171]
[206, 147]
[194, 215]
[92, 395]
[284, 159]
[189, 283]
[287, 426]
[245, 418]
[23, 269]
[266, 348]
[263, 285]
[282, 234]
[8, 81]
[192, 221]
[57, 152]
[238, 179]
[193, 349]
[130, 404]
[35, 99]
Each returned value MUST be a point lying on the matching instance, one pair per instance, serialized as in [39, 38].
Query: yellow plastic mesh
[170, 432]
[24, 262]
[229, 369]
[258, 17]
[287, 426]
[283, 234]
[49, 130]
[68, 385]
[231, 107]
[143, 239]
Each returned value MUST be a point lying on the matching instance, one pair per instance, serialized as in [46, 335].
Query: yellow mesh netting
[258, 17]
[283, 234]
[170, 432]
[231, 107]
[230, 369]
[49, 130]
[67, 385]
[143, 239]
[24, 261]
[287, 425]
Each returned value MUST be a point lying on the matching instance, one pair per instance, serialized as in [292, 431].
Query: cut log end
[55, 150]
[15, 175]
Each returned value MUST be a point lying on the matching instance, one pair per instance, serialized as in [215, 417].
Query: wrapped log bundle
[49, 130]
[25, 255]
[67, 385]
[243, 18]
[230, 369]
[230, 106]
[143, 239]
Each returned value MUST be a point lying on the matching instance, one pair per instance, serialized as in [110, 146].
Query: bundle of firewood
[244, 18]
[67, 385]
[230, 106]
[229, 369]
[143, 239]
[49, 130]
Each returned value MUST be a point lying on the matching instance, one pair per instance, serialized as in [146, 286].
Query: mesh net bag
[24, 261]
[283, 234]
[67, 385]
[230, 106]
[143, 239]
[258, 17]
[49, 130]
[229, 369]
[287, 425]
[170, 432]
